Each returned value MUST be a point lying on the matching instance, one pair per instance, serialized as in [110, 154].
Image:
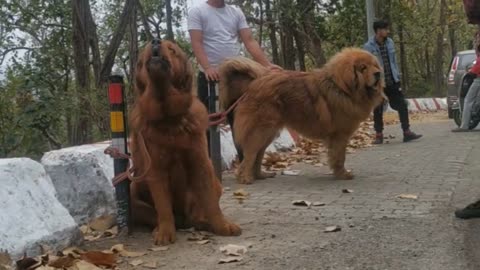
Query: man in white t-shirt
[215, 30]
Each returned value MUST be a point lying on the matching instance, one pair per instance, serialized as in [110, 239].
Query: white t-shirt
[220, 27]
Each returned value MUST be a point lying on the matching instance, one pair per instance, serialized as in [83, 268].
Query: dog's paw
[344, 175]
[164, 235]
[227, 228]
[264, 175]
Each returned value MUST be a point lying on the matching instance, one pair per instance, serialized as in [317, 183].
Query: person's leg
[202, 93]
[378, 124]
[468, 104]
[398, 103]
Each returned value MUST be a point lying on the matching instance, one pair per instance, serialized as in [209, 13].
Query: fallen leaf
[151, 265]
[136, 262]
[318, 204]
[111, 232]
[230, 260]
[291, 173]
[27, 263]
[302, 203]
[197, 236]
[85, 229]
[408, 196]
[240, 192]
[62, 262]
[158, 249]
[347, 190]
[73, 251]
[102, 223]
[83, 265]
[203, 242]
[332, 229]
[233, 250]
[120, 249]
[5, 260]
[99, 258]
[44, 267]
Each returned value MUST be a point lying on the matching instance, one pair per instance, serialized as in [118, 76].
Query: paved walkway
[378, 229]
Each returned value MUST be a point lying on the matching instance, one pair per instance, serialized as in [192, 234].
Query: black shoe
[471, 211]
[378, 138]
[410, 136]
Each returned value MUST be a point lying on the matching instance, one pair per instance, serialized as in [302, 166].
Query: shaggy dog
[169, 148]
[327, 104]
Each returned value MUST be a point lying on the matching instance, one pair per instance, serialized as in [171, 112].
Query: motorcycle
[457, 106]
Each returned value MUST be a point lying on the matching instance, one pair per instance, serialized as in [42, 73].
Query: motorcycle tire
[457, 117]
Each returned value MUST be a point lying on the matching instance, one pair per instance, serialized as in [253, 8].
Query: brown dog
[327, 104]
[169, 148]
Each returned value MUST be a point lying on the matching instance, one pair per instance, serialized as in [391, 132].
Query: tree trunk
[403, 60]
[80, 29]
[146, 26]
[112, 49]
[314, 40]
[168, 7]
[260, 28]
[272, 33]
[300, 50]
[439, 85]
[133, 52]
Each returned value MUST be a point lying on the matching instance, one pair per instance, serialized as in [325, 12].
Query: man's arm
[196, 37]
[253, 48]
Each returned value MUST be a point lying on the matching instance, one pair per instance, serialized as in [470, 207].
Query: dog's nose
[156, 47]
[377, 75]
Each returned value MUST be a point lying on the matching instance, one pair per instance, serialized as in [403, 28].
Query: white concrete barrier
[30, 214]
[82, 177]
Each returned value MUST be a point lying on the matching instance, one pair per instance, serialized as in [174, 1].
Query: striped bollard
[119, 141]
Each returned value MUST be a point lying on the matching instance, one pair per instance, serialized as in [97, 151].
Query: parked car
[458, 67]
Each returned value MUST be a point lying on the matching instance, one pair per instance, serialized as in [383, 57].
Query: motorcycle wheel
[457, 117]
[473, 124]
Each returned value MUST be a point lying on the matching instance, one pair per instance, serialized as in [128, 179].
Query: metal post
[116, 98]
[370, 17]
[214, 134]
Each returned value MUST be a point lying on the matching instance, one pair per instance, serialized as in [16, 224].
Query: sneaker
[378, 138]
[470, 211]
[410, 136]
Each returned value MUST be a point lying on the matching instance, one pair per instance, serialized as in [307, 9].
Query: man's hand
[273, 67]
[212, 74]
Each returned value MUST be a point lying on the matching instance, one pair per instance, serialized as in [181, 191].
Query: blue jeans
[470, 99]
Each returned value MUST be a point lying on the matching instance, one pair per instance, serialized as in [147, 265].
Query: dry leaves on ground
[233, 250]
[102, 227]
[74, 258]
[408, 196]
[332, 229]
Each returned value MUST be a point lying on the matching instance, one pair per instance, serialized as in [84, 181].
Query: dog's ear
[140, 77]
[344, 75]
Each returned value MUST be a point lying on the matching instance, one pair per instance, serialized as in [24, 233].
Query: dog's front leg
[158, 184]
[337, 148]
[206, 188]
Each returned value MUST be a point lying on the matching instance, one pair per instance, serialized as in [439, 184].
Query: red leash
[223, 115]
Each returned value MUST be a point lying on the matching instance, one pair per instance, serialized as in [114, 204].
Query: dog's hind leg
[259, 174]
[253, 151]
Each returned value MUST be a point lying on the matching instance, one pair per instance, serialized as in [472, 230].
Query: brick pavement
[379, 230]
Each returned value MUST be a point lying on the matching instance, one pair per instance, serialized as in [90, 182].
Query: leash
[130, 172]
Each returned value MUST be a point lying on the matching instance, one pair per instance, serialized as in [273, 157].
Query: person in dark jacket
[383, 48]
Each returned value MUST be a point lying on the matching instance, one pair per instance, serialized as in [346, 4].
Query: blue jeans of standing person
[468, 103]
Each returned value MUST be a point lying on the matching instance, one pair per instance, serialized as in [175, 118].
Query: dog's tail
[235, 75]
